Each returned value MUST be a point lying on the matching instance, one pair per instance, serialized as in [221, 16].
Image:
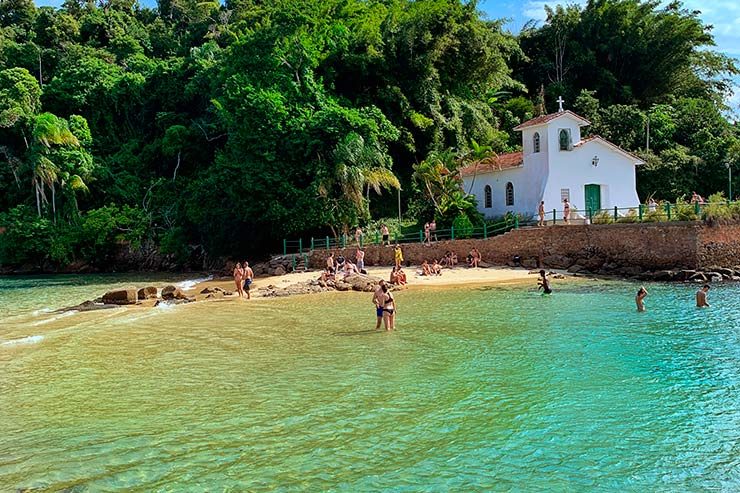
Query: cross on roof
[560, 102]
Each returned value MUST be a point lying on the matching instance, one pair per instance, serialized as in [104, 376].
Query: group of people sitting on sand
[243, 276]
[343, 266]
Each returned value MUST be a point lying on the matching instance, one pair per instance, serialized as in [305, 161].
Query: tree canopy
[225, 127]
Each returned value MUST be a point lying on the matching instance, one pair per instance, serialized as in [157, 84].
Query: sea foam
[24, 340]
[56, 317]
[191, 283]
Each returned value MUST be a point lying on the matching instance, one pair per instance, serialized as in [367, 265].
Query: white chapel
[554, 164]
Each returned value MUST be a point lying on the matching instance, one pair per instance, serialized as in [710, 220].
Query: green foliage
[19, 96]
[463, 226]
[232, 125]
[26, 237]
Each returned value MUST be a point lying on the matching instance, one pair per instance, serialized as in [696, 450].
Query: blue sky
[724, 15]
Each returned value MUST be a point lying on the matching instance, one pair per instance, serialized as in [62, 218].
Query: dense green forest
[200, 129]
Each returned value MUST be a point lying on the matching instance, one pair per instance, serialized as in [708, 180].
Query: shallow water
[478, 389]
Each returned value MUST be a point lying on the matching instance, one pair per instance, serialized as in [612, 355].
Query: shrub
[683, 211]
[632, 216]
[26, 238]
[463, 226]
[603, 217]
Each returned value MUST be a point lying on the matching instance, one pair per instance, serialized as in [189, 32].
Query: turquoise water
[480, 389]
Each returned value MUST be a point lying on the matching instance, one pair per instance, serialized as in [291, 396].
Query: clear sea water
[479, 389]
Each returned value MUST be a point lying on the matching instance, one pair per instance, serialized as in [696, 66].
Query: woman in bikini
[389, 309]
[238, 276]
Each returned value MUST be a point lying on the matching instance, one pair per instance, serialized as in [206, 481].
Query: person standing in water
[543, 283]
[238, 276]
[378, 302]
[389, 309]
[701, 297]
[640, 298]
[248, 276]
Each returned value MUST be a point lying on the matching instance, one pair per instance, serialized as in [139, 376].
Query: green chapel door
[593, 198]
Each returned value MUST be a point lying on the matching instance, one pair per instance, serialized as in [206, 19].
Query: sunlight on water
[479, 389]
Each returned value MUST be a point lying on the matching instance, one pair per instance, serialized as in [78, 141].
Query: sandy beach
[450, 277]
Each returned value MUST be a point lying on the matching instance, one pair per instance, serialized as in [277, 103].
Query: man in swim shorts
[248, 276]
[378, 298]
[701, 297]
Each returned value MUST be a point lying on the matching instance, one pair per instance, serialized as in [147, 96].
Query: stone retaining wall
[626, 249]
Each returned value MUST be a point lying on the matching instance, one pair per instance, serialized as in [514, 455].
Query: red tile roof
[494, 163]
[540, 120]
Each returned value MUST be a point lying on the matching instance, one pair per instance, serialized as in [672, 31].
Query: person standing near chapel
[566, 211]
[541, 213]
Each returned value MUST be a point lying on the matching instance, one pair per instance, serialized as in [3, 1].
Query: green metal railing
[343, 241]
[643, 213]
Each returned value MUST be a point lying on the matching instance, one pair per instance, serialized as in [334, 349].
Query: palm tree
[477, 154]
[360, 167]
[48, 130]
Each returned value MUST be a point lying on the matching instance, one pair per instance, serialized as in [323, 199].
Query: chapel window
[536, 140]
[488, 199]
[509, 194]
[565, 142]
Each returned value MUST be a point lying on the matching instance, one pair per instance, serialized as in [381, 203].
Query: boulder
[529, 263]
[630, 270]
[574, 269]
[698, 277]
[684, 275]
[87, 306]
[664, 275]
[207, 291]
[342, 286]
[173, 293]
[120, 297]
[361, 282]
[147, 293]
[713, 276]
[279, 271]
[558, 261]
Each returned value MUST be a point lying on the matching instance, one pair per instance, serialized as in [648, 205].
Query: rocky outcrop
[174, 293]
[120, 297]
[147, 293]
[355, 282]
[87, 306]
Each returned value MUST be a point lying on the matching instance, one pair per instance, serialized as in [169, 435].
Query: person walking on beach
[389, 309]
[566, 211]
[248, 276]
[701, 297]
[398, 255]
[541, 213]
[385, 235]
[238, 276]
[378, 302]
[543, 283]
[640, 298]
[360, 258]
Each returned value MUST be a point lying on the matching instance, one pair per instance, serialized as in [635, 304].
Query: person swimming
[701, 297]
[639, 299]
[543, 283]
[389, 309]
